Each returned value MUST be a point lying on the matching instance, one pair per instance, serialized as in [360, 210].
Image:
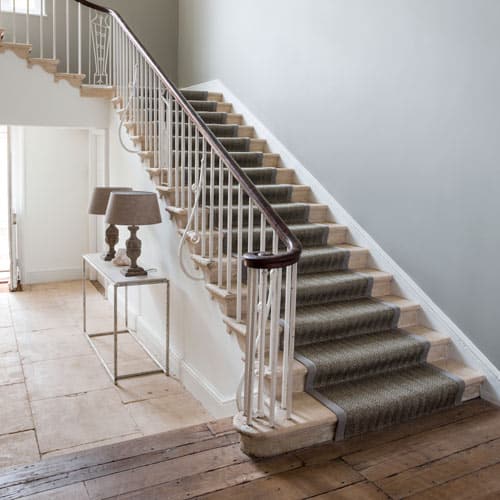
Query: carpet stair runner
[364, 368]
[369, 372]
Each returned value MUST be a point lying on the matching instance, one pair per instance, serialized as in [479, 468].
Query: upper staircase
[330, 350]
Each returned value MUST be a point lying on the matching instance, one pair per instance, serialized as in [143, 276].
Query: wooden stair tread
[467, 374]
[98, 91]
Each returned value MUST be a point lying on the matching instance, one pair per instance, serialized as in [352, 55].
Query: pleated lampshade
[134, 208]
[100, 199]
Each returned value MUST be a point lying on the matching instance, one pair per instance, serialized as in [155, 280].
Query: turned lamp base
[112, 236]
[131, 272]
[134, 246]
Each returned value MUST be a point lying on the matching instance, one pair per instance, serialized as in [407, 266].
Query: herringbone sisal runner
[367, 371]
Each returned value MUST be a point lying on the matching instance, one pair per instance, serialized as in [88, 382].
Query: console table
[112, 274]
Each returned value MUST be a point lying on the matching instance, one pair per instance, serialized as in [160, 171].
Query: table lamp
[133, 209]
[98, 206]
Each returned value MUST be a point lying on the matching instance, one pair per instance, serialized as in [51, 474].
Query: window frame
[7, 7]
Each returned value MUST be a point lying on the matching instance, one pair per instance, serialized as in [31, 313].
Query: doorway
[4, 208]
[9, 271]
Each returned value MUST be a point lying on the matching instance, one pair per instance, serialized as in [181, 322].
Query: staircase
[329, 350]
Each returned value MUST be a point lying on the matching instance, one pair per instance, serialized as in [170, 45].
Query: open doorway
[9, 270]
[4, 209]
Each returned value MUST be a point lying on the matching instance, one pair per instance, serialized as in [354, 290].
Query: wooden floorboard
[452, 454]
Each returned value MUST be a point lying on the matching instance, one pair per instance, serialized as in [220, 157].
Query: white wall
[31, 97]
[53, 219]
[393, 106]
[204, 356]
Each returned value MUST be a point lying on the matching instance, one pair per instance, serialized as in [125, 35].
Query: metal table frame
[113, 275]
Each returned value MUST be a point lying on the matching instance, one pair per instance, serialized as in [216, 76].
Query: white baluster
[262, 336]
[274, 341]
[229, 237]
[170, 139]
[196, 175]
[182, 152]
[54, 30]
[211, 207]
[204, 200]
[41, 29]
[220, 242]
[190, 165]
[250, 340]
[250, 225]
[239, 254]
[80, 39]
[291, 341]
[67, 37]
[27, 21]
[14, 21]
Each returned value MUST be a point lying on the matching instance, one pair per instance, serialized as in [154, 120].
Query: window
[36, 7]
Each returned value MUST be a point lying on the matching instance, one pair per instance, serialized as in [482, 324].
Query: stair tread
[466, 373]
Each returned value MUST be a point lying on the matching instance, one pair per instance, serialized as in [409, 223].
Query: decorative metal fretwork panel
[100, 38]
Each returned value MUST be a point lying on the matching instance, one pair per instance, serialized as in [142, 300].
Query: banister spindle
[239, 254]
[262, 336]
[27, 22]
[229, 237]
[41, 29]
[14, 21]
[54, 30]
[196, 176]
[274, 341]
[80, 39]
[211, 231]
[220, 242]
[250, 341]
[175, 118]
[190, 191]
[204, 200]
[67, 37]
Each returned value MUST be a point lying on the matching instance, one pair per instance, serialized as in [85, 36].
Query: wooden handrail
[253, 260]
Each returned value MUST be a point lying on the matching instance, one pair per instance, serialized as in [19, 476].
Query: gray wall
[155, 23]
[394, 106]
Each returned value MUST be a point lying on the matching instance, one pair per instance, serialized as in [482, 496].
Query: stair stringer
[30, 96]
[431, 315]
[204, 357]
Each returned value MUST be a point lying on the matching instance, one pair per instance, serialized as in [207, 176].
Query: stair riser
[48, 65]
[267, 446]
[20, 49]
[74, 80]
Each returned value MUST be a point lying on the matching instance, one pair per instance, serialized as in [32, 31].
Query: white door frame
[14, 271]
[98, 176]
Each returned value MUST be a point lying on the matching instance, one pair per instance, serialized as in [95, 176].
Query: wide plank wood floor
[450, 455]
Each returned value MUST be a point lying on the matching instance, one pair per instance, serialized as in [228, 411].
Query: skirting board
[218, 405]
[51, 275]
[432, 316]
